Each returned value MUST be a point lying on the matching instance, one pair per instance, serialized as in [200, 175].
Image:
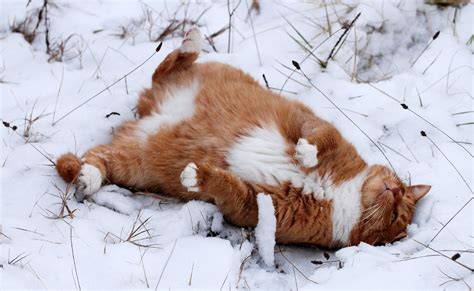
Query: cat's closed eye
[393, 217]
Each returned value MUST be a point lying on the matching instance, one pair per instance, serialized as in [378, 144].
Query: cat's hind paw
[192, 42]
[306, 153]
[189, 178]
[88, 182]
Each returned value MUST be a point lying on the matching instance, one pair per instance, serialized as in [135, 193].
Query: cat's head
[388, 206]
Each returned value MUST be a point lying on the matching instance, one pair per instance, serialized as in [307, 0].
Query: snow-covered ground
[124, 241]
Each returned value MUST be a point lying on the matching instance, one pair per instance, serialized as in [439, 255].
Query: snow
[266, 228]
[109, 38]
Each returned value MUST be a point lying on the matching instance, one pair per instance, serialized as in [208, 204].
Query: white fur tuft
[260, 156]
[189, 177]
[306, 153]
[178, 105]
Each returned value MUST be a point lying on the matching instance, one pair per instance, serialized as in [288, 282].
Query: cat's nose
[396, 192]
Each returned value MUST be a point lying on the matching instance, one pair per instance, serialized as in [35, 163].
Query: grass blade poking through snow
[404, 106]
[423, 133]
[166, 265]
[74, 259]
[111, 85]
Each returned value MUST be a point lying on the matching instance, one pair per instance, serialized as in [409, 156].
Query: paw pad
[192, 42]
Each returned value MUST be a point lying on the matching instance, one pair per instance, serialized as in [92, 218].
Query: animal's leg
[173, 69]
[93, 171]
[317, 138]
[119, 162]
[236, 200]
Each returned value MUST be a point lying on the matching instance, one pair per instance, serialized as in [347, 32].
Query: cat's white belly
[261, 157]
[178, 105]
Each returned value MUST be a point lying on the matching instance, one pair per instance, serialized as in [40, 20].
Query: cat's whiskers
[371, 215]
[370, 210]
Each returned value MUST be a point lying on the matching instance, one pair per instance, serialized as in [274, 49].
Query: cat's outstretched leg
[119, 162]
[88, 175]
[236, 200]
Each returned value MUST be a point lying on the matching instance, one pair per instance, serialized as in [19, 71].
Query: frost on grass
[266, 228]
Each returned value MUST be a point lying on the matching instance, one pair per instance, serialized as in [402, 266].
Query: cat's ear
[418, 191]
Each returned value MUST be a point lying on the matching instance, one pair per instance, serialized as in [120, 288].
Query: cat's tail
[68, 167]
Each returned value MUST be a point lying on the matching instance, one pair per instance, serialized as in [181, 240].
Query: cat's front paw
[306, 153]
[189, 178]
[192, 42]
[88, 182]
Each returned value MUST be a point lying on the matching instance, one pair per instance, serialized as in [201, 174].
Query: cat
[210, 132]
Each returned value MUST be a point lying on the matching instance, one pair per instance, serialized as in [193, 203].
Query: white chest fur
[260, 157]
[345, 201]
[177, 105]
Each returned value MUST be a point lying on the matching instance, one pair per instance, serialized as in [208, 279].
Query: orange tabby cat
[211, 132]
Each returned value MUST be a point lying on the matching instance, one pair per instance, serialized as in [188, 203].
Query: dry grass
[447, 2]
[37, 22]
[65, 210]
[29, 120]
[139, 234]
[157, 26]
[17, 260]
[66, 49]
[25, 27]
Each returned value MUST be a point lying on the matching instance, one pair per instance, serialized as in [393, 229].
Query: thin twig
[408, 148]
[231, 13]
[444, 256]
[74, 259]
[456, 169]
[452, 217]
[393, 150]
[225, 279]
[166, 264]
[343, 113]
[143, 266]
[346, 30]
[254, 36]
[57, 95]
[111, 85]
[304, 59]
[404, 106]
[435, 36]
[295, 267]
